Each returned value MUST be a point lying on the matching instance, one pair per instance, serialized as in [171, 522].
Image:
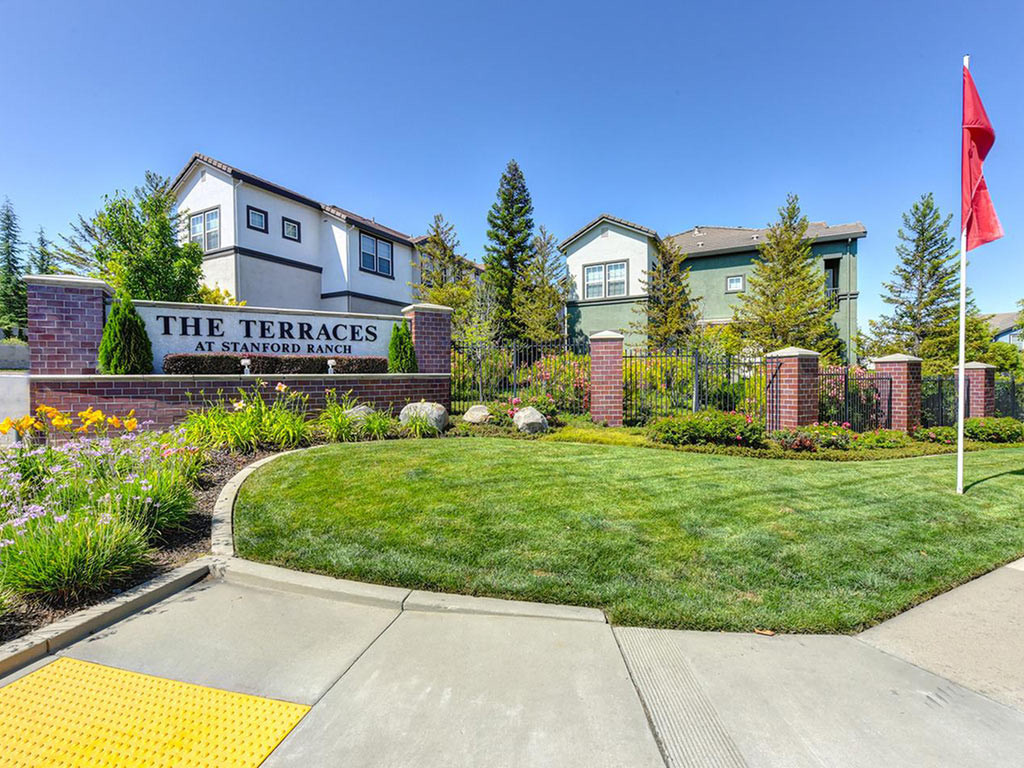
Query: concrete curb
[222, 531]
[232, 568]
[249, 573]
[50, 639]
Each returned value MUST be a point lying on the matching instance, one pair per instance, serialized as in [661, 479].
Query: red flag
[977, 215]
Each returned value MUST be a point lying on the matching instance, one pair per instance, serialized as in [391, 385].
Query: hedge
[231, 364]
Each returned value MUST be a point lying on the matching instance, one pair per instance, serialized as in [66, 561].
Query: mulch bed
[177, 548]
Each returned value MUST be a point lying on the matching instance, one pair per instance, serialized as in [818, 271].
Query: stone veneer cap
[438, 308]
[69, 281]
[976, 366]
[607, 335]
[793, 352]
[898, 358]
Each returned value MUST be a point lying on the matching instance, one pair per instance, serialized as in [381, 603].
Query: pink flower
[516, 401]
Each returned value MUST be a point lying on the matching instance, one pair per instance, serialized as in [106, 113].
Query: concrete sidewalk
[402, 678]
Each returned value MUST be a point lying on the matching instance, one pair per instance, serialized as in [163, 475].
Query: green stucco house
[608, 260]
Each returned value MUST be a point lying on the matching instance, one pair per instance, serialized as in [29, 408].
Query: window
[291, 229]
[616, 276]
[734, 284]
[604, 280]
[256, 218]
[593, 282]
[204, 229]
[375, 255]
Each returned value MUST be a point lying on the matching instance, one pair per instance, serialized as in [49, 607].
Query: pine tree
[509, 252]
[42, 260]
[925, 290]
[540, 297]
[785, 304]
[401, 352]
[13, 296]
[446, 276]
[669, 316]
[125, 347]
[133, 242]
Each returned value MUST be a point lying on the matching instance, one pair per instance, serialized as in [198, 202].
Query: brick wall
[606, 378]
[905, 373]
[166, 399]
[431, 336]
[65, 323]
[981, 385]
[793, 395]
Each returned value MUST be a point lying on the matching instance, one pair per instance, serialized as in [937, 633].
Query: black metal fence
[862, 399]
[483, 373]
[1009, 397]
[659, 383]
[939, 399]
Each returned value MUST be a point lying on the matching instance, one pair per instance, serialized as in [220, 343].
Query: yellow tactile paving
[75, 713]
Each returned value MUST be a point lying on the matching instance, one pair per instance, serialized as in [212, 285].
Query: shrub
[125, 347]
[942, 435]
[709, 428]
[418, 425]
[831, 436]
[13, 341]
[795, 440]
[993, 430]
[62, 557]
[251, 422]
[231, 364]
[882, 438]
[334, 423]
[565, 376]
[401, 352]
[378, 425]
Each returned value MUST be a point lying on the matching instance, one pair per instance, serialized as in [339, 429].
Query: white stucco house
[272, 247]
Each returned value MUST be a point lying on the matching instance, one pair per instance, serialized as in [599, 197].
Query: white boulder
[435, 413]
[531, 420]
[477, 414]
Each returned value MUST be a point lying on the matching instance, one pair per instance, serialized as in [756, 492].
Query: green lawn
[656, 538]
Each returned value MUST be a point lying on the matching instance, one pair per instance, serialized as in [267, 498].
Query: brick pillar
[606, 378]
[793, 388]
[981, 385]
[65, 323]
[431, 336]
[905, 373]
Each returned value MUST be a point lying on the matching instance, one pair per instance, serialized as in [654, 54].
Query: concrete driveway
[399, 678]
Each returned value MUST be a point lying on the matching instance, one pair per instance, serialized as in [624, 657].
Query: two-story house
[608, 260]
[272, 247]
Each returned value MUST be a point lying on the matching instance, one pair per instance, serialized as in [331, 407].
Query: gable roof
[700, 241]
[609, 218]
[340, 213]
[1001, 322]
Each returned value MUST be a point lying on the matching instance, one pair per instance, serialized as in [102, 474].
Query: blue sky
[670, 114]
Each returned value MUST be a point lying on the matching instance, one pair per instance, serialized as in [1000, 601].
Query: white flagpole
[962, 379]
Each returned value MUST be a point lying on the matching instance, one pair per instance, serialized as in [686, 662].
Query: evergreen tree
[785, 304]
[925, 290]
[941, 348]
[480, 326]
[13, 297]
[133, 243]
[446, 276]
[669, 316]
[509, 252]
[125, 347]
[42, 260]
[540, 297]
[401, 352]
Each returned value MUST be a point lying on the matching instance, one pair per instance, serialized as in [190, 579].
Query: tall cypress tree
[41, 259]
[669, 315]
[510, 251]
[13, 297]
[925, 290]
[785, 304]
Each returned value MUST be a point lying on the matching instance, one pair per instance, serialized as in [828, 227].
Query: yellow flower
[114, 422]
[27, 423]
[130, 423]
[5, 425]
[61, 422]
[281, 387]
